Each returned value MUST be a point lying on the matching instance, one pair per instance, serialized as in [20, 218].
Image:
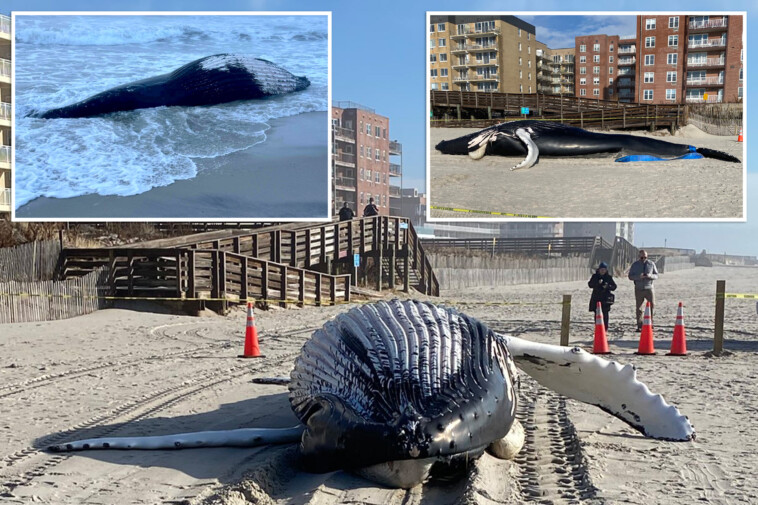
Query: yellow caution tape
[740, 295]
[453, 209]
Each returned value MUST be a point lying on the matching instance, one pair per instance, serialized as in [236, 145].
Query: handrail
[5, 197]
[6, 68]
[5, 154]
[5, 24]
[6, 111]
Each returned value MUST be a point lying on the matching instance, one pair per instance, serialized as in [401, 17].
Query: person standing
[602, 285]
[370, 209]
[346, 213]
[643, 273]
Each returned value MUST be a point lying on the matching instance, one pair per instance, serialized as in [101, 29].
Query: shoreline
[255, 183]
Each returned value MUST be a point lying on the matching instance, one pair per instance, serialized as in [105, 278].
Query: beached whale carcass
[216, 79]
[399, 390]
[533, 139]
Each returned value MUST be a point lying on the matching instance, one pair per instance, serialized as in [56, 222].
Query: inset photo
[171, 117]
[601, 116]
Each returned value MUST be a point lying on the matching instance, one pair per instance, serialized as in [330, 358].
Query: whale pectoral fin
[245, 437]
[478, 145]
[532, 151]
[577, 374]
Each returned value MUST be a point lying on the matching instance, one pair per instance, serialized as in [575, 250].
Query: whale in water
[211, 80]
[533, 139]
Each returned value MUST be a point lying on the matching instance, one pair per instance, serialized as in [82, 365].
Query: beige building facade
[482, 53]
[6, 115]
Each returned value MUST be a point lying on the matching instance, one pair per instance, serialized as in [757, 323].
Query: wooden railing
[560, 245]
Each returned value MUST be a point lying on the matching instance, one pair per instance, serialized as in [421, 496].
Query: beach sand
[284, 177]
[125, 372]
[594, 187]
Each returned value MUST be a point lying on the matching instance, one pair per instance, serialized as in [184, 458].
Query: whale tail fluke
[719, 155]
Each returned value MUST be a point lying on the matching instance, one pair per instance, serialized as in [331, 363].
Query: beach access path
[127, 372]
[589, 187]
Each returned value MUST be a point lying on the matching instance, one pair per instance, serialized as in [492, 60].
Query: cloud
[559, 31]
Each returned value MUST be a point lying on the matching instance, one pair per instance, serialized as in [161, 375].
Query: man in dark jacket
[602, 285]
[346, 213]
[643, 273]
[370, 209]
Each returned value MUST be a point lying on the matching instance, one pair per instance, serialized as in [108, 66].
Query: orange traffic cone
[646, 337]
[600, 345]
[739, 137]
[679, 344]
[251, 336]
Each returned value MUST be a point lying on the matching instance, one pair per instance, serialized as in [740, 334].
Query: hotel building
[670, 59]
[6, 115]
[361, 152]
[482, 53]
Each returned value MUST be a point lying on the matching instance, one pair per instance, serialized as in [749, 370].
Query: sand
[127, 372]
[284, 177]
[595, 187]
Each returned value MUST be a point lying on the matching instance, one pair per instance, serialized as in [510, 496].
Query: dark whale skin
[189, 85]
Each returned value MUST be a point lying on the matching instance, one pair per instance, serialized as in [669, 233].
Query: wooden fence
[34, 261]
[528, 246]
[24, 302]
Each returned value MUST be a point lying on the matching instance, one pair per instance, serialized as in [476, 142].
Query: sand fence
[33, 261]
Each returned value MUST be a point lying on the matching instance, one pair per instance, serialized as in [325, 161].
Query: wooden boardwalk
[480, 109]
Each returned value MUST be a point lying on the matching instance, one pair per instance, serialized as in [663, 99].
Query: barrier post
[565, 320]
[718, 333]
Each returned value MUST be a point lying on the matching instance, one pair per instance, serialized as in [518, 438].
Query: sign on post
[525, 110]
[356, 260]
[403, 225]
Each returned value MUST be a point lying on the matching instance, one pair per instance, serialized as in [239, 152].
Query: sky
[379, 58]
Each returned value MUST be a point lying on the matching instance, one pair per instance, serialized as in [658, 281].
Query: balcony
[5, 69]
[700, 99]
[625, 83]
[396, 147]
[395, 170]
[461, 33]
[343, 134]
[5, 200]
[5, 26]
[394, 191]
[461, 78]
[706, 44]
[461, 65]
[345, 183]
[483, 64]
[483, 78]
[706, 62]
[625, 94]
[705, 81]
[627, 50]
[627, 61]
[709, 24]
[626, 71]
[6, 112]
[5, 154]
[341, 158]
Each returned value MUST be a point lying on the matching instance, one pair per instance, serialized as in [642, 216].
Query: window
[377, 177]
[672, 58]
[445, 86]
[582, 92]
[649, 41]
[610, 48]
[650, 24]
[442, 42]
[362, 199]
[583, 48]
[377, 155]
[519, 32]
[673, 40]
[361, 150]
[519, 60]
[529, 76]
[582, 70]
[434, 85]
[595, 70]
[674, 22]
[433, 72]
[529, 63]
[610, 92]
[649, 76]
[431, 42]
[671, 94]
[520, 88]
[443, 57]
[582, 81]
[610, 70]
[443, 72]
[610, 59]
[610, 81]
[740, 75]
[596, 58]
[520, 74]
[440, 27]
[431, 28]
[649, 59]
[368, 126]
[368, 175]
[647, 94]
[519, 46]
[596, 81]
[361, 175]
[377, 131]
[384, 200]
[739, 92]
[528, 49]
[582, 59]
[596, 47]
[670, 76]
[384, 132]
[433, 58]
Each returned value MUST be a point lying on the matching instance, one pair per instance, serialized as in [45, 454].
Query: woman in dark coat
[602, 285]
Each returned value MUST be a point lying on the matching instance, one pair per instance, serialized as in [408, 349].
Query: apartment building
[482, 53]
[558, 68]
[361, 157]
[609, 231]
[396, 172]
[670, 59]
[6, 115]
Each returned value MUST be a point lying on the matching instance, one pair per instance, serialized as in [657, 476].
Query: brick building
[482, 53]
[361, 157]
[670, 59]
